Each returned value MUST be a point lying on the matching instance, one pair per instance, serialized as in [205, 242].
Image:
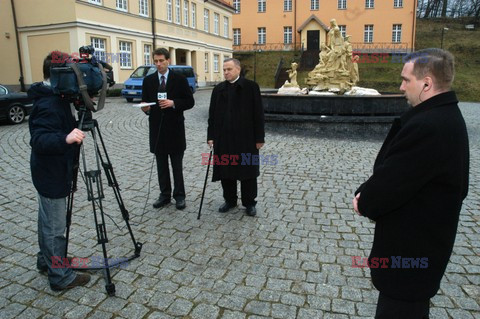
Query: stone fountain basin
[334, 109]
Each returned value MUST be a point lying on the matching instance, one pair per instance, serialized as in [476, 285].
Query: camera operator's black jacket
[171, 139]
[51, 161]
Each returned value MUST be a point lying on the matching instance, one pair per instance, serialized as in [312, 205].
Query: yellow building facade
[374, 25]
[123, 33]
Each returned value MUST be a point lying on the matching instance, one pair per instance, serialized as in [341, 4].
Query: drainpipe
[22, 84]
[153, 24]
[295, 23]
[414, 24]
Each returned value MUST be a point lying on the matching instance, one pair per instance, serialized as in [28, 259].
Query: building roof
[224, 3]
[313, 17]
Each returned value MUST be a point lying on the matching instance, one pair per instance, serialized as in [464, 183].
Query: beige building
[374, 25]
[123, 33]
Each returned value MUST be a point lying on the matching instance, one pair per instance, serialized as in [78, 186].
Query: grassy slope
[385, 77]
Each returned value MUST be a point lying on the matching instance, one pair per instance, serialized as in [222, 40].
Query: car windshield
[143, 71]
[187, 72]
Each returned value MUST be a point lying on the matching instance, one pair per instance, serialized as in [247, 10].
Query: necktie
[162, 84]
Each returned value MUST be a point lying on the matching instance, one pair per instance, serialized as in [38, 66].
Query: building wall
[383, 16]
[69, 24]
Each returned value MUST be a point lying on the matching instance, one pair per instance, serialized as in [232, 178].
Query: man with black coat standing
[172, 95]
[236, 133]
[415, 194]
[54, 140]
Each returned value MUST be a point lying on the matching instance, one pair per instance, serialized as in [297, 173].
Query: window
[287, 5]
[185, 12]
[287, 35]
[147, 54]
[237, 36]
[122, 5]
[262, 35]
[125, 54]
[143, 7]
[369, 4]
[397, 3]
[206, 22]
[95, 1]
[397, 33]
[236, 6]
[226, 27]
[194, 15]
[206, 63]
[169, 10]
[178, 17]
[215, 62]
[343, 30]
[262, 5]
[216, 23]
[368, 33]
[342, 4]
[99, 46]
[314, 4]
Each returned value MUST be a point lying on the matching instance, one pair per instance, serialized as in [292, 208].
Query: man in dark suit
[419, 181]
[172, 95]
[236, 132]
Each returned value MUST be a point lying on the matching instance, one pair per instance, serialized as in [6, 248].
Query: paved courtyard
[294, 260]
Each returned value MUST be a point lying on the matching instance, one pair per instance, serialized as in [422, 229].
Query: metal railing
[375, 47]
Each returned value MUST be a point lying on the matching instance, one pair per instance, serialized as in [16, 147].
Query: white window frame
[342, 4]
[178, 14]
[287, 35]
[147, 54]
[397, 33]
[194, 16]
[398, 3]
[368, 33]
[262, 5]
[206, 63]
[237, 6]
[95, 1]
[314, 4]
[343, 30]
[100, 45]
[125, 50]
[237, 36]
[226, 27]
[216, 23]
[206, 20]
[216, 59]
[186, 13]
[369, 4]
[287, 5]
[121, 5]
[169, 11]
[143, 7]
[262, 35]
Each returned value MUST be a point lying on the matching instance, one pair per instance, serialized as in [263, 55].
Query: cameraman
[53, 139]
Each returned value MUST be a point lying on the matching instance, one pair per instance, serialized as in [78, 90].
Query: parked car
[14, 106]
[133, 86]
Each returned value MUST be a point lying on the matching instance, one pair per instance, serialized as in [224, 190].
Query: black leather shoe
[180, 204]
[161, 202]
[226, 207]
[80, 280]
[251, 211]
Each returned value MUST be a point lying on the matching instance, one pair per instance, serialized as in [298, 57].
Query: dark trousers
[388, 308]
[164, 176]
[248, 190]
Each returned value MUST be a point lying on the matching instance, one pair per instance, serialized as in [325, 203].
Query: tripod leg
[112, 182]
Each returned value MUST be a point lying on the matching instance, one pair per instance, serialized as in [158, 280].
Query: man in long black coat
[166, 125]
[415, 194]
[236, 132]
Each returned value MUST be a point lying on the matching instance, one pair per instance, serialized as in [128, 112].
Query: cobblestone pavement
[292, 261]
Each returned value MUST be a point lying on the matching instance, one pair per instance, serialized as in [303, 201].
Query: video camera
[81, 78]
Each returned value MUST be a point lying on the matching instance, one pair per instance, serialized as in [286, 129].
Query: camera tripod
[95, 194]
